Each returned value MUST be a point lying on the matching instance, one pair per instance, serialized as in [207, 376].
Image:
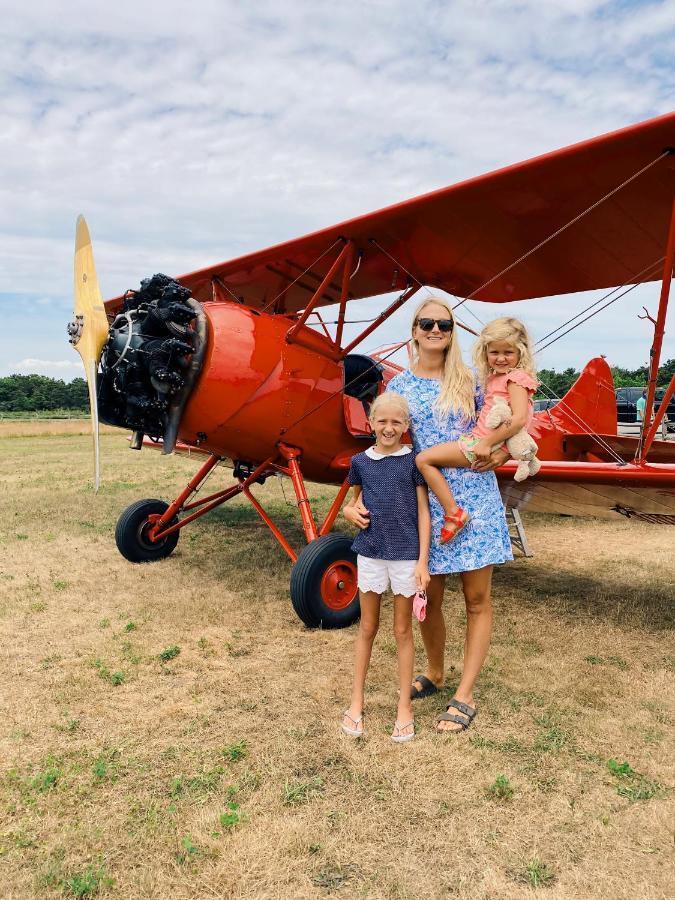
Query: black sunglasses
[444, 325]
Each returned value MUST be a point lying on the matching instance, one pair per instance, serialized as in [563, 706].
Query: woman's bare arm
[424, 528]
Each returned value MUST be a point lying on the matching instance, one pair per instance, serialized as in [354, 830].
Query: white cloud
[189, 134]
[56, 368]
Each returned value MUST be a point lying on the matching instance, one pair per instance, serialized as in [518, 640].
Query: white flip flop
[402, 738]
[353, 732]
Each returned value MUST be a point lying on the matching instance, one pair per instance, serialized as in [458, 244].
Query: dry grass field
[171, 730]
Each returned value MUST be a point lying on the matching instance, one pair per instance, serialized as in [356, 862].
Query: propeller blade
[89, 331]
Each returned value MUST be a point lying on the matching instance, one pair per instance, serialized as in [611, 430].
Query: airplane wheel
[131, 533]
[324, 587]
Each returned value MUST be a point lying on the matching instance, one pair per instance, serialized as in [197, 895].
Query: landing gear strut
[324, 588]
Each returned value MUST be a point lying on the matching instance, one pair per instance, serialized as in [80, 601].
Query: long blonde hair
[513, 332]
[458, 385]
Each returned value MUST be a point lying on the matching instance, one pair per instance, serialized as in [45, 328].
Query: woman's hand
[357, 514]
[422, 576]
[497, 458]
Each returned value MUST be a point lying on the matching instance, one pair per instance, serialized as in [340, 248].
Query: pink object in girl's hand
[420, 605]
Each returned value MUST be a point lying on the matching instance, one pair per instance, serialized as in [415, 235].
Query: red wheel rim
[339, 584]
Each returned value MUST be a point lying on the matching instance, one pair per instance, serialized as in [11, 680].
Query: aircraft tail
[590, 404]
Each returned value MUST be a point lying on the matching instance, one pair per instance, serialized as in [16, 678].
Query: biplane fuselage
[255, 386]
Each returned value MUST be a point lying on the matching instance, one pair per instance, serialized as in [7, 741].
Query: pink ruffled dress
[497, 386]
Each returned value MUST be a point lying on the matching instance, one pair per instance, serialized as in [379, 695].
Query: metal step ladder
[517, 532]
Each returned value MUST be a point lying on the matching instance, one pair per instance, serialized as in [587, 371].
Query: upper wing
[462, 236]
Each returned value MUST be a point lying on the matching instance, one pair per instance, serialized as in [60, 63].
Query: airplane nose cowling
[151, 360]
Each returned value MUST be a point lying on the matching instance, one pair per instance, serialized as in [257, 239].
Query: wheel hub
[339, 584]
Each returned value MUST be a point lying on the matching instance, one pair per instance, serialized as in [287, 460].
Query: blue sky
[192, 133]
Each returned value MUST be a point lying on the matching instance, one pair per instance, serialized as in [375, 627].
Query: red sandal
[457, 520]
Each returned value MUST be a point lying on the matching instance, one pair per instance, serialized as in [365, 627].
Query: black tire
[323, 583]
[130, 531]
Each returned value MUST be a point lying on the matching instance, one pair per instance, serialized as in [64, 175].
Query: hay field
[171, 730]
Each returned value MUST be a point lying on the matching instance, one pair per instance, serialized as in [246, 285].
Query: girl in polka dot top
[392, 549]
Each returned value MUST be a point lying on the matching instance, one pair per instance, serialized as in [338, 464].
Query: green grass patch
[537, 874]
[500, 789]
[189, 852]
[199, 785]
[233, 815]
[46, 780]
[86, 883]
[631, 784]
[617, 661]
[106, 765]
[236, 751]
[298, 792]
[114, 678]
[509, 745]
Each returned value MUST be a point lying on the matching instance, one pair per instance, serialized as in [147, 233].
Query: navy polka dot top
[389, 486]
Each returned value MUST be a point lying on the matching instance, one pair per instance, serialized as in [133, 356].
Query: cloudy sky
[189, 133]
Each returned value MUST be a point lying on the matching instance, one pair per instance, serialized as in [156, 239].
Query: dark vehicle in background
[542, 405]
[626, 400]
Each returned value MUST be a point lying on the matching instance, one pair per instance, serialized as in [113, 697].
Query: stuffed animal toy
[520, 445]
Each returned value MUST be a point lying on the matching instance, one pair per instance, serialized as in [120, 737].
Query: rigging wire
[308, 269]
[578, 420]
[637, 275]
[562, 228]
[618, 297]
[229, 290]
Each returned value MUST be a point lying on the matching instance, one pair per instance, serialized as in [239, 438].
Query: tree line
[38, 393]
[560, 382]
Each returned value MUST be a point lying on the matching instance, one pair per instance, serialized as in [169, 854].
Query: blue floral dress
[485, 540]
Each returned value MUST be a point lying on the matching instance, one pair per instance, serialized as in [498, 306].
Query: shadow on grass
[642, 602]
[246, 552]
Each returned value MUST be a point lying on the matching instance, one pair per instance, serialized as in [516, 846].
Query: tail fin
[590, 404]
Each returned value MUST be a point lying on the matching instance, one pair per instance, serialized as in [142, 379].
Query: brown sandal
[456, 521]
[468, 714]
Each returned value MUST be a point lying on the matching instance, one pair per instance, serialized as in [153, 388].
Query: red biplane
[235, 362]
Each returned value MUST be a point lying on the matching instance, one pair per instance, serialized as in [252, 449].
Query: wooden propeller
[89, 331]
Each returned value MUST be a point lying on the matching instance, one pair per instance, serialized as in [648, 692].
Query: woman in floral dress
[443, 399]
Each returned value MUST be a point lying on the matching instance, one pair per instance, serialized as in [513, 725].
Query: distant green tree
[38, 393]
[629, 377]
[666, 372]
[77, 394]
[556, 383]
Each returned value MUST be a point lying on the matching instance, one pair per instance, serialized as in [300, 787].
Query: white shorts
[376, 574]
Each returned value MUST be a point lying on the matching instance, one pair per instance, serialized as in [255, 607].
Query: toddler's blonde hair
[389, 398]
[513, 332]
[458, 386]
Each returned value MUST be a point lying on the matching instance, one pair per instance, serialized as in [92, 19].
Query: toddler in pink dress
[505, 364]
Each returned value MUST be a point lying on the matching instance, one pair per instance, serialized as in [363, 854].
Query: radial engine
[151, 360]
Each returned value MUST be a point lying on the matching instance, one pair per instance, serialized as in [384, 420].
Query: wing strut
[646, 438]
